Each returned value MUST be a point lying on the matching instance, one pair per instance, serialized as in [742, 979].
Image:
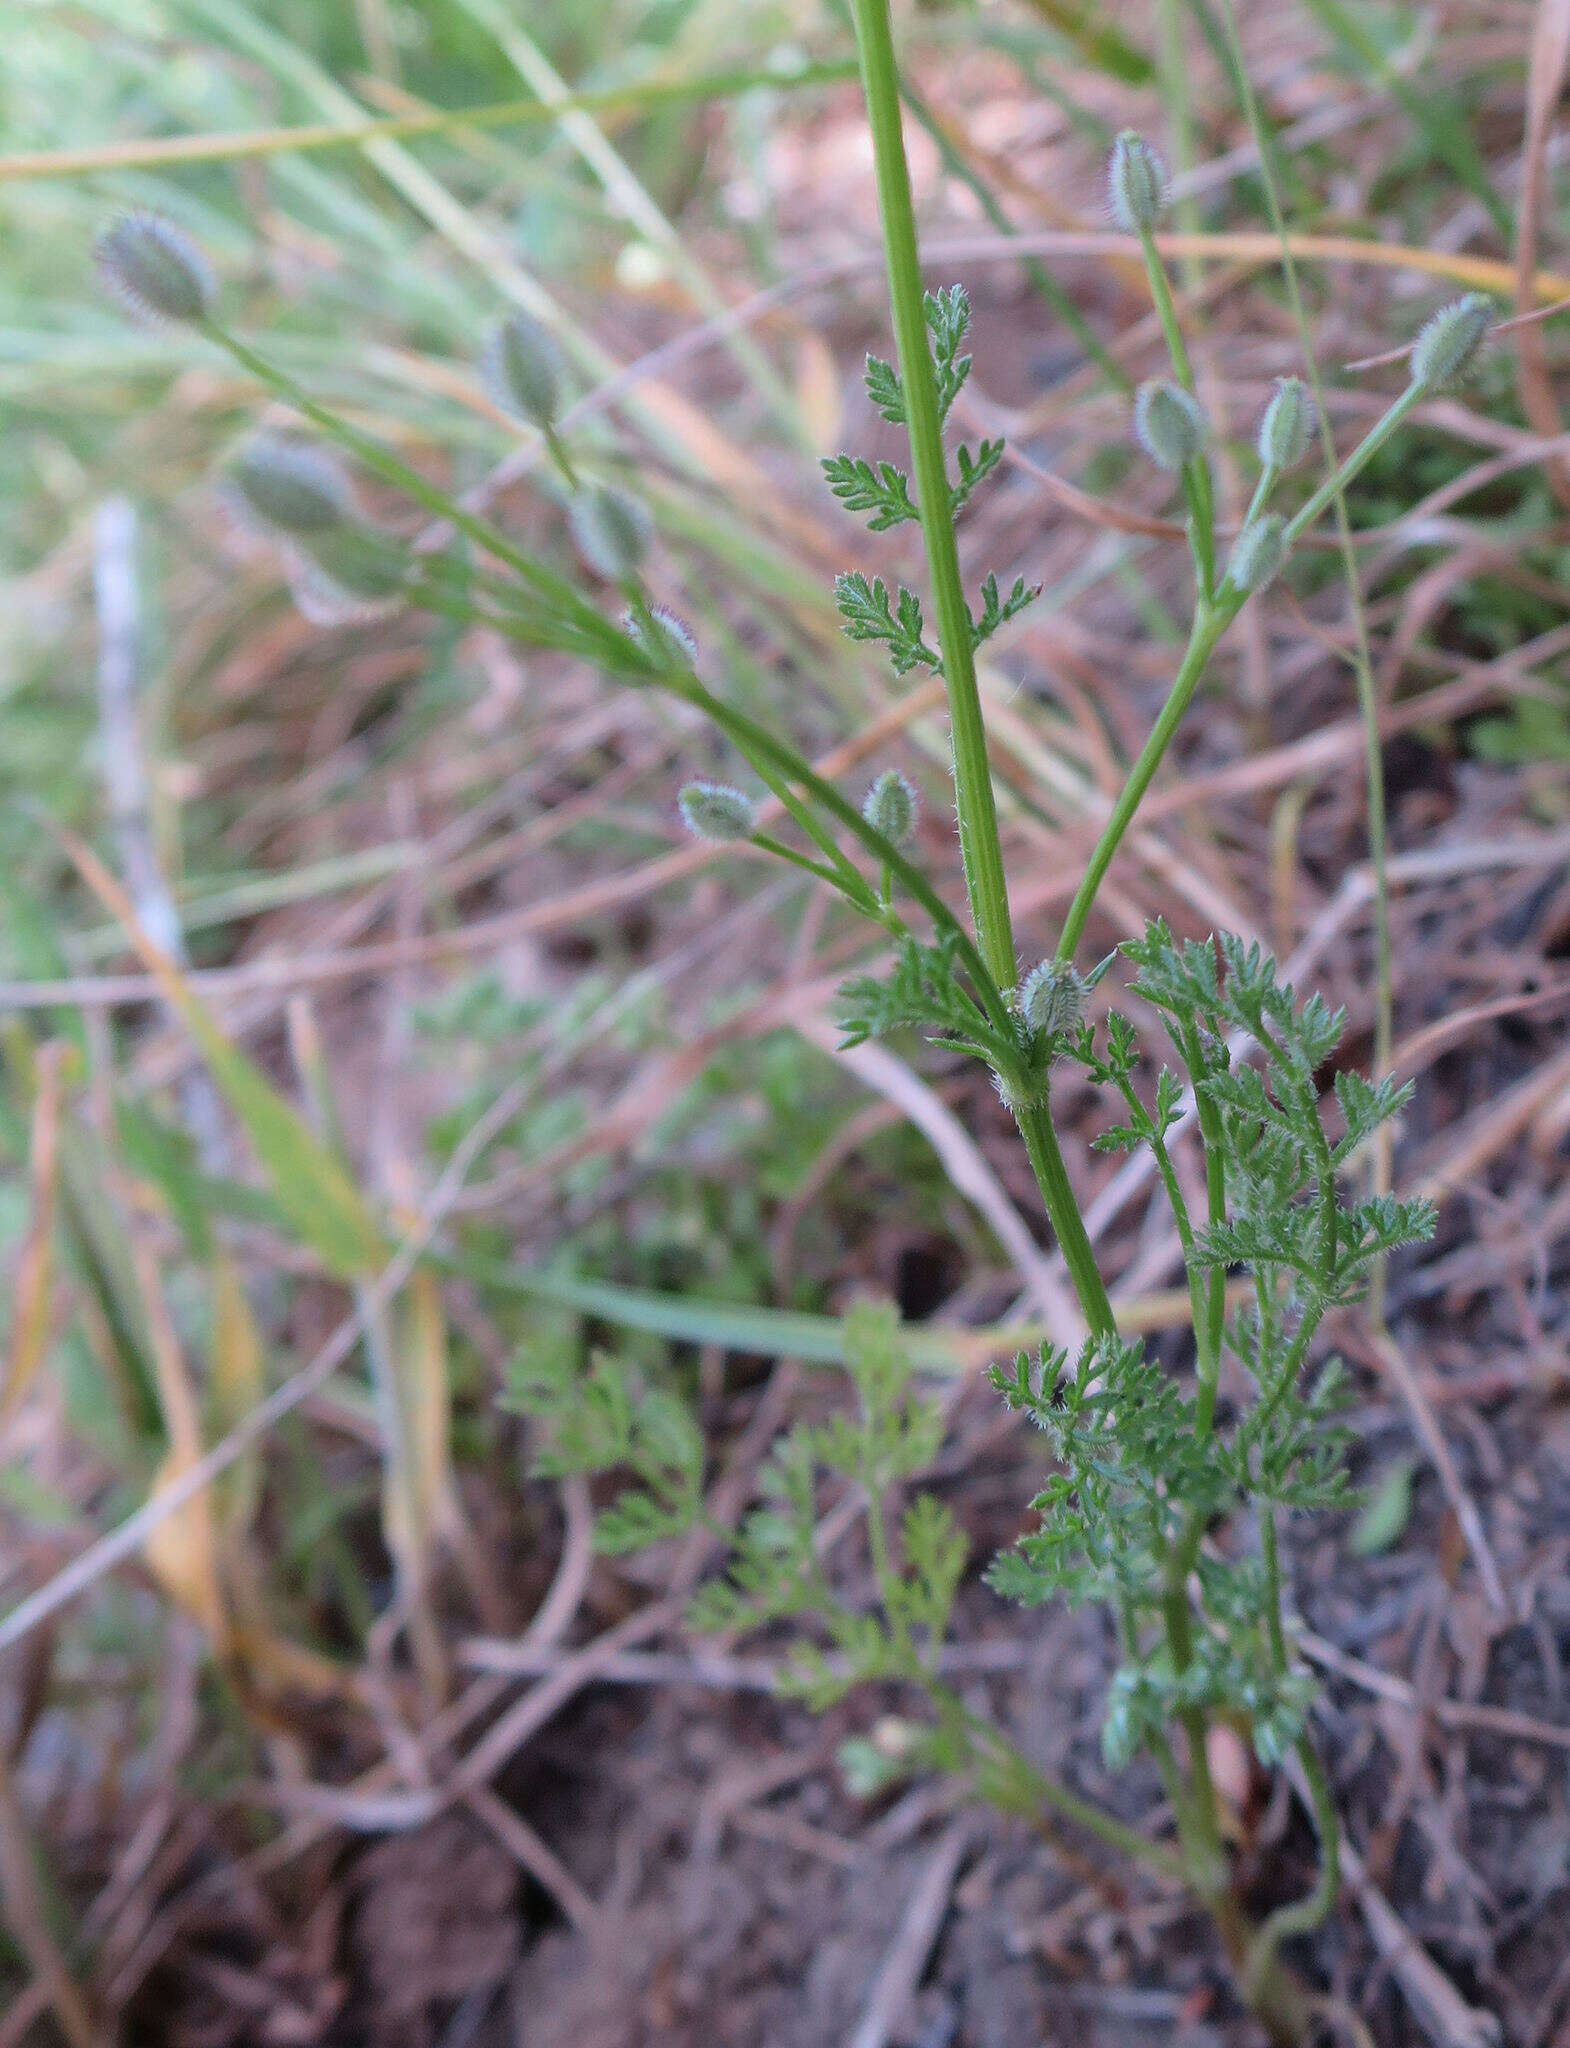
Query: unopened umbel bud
[1136, 183]
[713, 810]
[1168, 423]
[1285, 425]
[1448, 341]
[155, 268]
[1257, 553]
[662, 633]
[610, 530]
[297, 487]
[521, 364]
[889, 807]
[1052, 997]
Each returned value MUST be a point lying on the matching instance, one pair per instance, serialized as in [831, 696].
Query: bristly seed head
[1448, 342]
[1051, 998]
[671, 638]
[521, 364]
[154, 268]
[610, 531]
[293, 486]
[1136, 183]
[1168, 423]
[713, 810]
[1257, 553]
[889, 807]
[1285, 425]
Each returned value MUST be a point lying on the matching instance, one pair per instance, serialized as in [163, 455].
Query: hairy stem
[980, 848]
[1046, 1159]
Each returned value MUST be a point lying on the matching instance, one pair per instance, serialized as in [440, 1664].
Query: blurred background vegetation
[435, 899]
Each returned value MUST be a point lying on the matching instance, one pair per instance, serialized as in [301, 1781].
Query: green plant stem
[1269, 477]
[752, 737]
[544, 582]
[1303, 1915]
[1196, 474]
[1166, 311]
[1212, 1320]
[1201, 525]
[766, 843]
[1365, 451]
[1272, 1564]
[1210, 622]
[556, 448]
[1046, 1159]
[1010, 1781]
[1211, 619]
[1363, 665]
[1201, 1290]
[980, 848]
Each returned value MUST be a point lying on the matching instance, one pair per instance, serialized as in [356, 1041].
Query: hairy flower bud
[1257, 553]
[1051, 998]
[1448, 341]
[155, 268]
[1136, 183]
[521, 364]
[1168, 423]
[1286, 424]
[610, 531]
[296, 487]
[889, 807]
[662, 633]
[713, 810]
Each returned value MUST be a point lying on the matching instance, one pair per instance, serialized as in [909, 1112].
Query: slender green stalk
[980, 848]
[1362, 659]
[1303, 1915]
[1272, 1564]
[381, 459]
[1046, 1159]
[1361, 456]
[1210, 622]
[1211, 619]
[1196, 474]
[767, 843]
[1011, 1782]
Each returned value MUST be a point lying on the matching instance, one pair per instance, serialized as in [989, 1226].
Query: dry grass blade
[182, 1546]
[123, 1542]
[30, 1310]
[29, 1922]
